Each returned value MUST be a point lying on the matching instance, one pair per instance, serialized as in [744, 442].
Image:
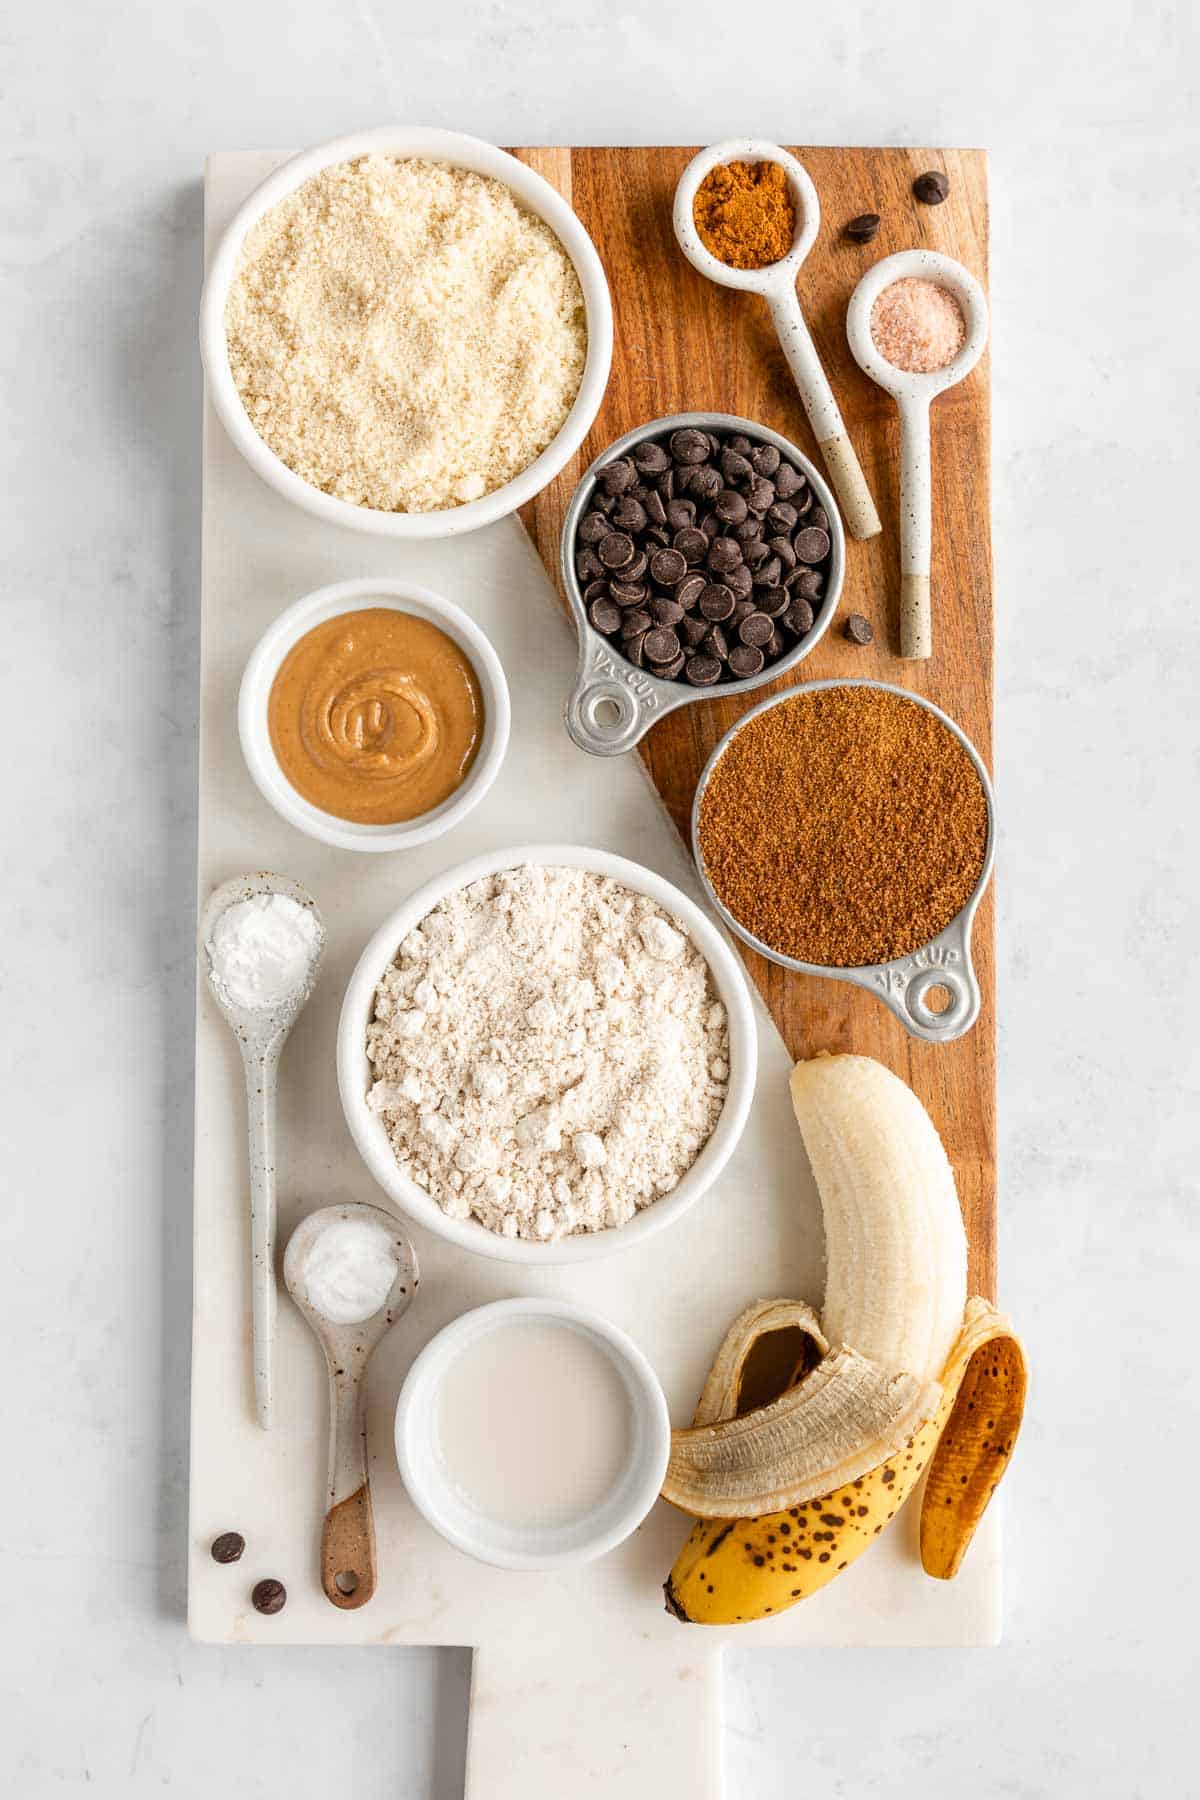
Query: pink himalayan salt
[917, 325]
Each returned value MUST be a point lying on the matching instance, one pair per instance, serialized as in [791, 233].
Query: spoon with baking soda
[352, 1273]
[261, 938]
[776, 282]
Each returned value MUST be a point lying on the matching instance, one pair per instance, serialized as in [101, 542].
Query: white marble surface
[1090, 114]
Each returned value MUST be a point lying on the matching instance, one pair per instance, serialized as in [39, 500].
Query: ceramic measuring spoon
[348, 1567]
[913, 394]
[261, 1033]
[777, 285]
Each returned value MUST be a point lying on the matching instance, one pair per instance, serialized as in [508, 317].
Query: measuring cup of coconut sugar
[776, 283]
[880, 808]
[917, 323]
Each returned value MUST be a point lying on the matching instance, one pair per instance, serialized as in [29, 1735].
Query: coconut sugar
[918, 325]
[405, 336]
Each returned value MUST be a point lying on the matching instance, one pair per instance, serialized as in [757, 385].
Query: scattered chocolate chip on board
[268, 1596]
[932, 187]
[857, 629]
[228, 1547]
[703, 556]
[863, 228]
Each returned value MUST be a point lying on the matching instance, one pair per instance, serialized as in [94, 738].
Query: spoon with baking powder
[352, 1272]
[261, 938]
[777, 285]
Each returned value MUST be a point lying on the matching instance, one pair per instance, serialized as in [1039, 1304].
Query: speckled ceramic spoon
[777, 285]
[261, 1033]
[348, 1566]
[913, 394]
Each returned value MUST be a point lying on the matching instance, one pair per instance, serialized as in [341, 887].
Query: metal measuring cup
[913, 393]
[777, 285]
[904, 983]
[613, 704]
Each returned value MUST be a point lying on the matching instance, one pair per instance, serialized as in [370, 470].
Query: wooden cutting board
[684, 344]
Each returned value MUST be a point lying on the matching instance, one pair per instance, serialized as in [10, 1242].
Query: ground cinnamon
[844, 827]
[745, 214]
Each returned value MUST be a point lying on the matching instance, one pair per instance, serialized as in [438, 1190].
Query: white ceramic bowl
[367, 1130]
[508, 1547]
[460, 152]
[273, 646]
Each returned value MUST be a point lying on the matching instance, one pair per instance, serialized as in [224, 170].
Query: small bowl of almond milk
[532, 1434]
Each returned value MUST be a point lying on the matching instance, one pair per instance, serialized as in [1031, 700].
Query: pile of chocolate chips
[702, 556]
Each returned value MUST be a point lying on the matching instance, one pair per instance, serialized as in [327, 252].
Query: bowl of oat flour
[407, 332]
[547, 1054]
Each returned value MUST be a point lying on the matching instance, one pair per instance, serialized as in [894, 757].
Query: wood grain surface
[682, 343]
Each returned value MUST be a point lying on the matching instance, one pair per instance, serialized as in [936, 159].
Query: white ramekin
[460, 152]
[273, 646]
[367, 1130]
[433, 1493]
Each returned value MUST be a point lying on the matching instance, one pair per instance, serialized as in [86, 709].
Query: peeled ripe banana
[791, 1483]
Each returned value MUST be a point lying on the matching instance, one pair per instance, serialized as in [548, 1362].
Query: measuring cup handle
[845, 473]
[348, 1567]
[612, 705]
[904, 986]
[916, 530]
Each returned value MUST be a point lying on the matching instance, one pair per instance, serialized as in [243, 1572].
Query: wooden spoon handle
[348, 1569]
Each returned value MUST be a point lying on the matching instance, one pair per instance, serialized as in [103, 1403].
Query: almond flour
[404, 335]
[549, 1053]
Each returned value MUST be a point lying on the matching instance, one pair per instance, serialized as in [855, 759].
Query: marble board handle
[617, 1715]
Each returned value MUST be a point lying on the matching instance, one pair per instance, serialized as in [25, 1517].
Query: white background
[1089, 111]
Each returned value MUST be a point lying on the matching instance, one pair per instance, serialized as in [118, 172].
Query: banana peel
[732, 1570]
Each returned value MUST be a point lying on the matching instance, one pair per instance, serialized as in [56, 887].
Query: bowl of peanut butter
[373, 715]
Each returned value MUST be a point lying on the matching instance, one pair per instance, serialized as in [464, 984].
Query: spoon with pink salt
[917, 323]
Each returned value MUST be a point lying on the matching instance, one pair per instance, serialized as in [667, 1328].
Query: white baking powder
[549, 1052]
[261, 950]
[349, 1270]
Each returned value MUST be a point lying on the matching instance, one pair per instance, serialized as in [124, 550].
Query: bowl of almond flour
[407, 332]
[547, 1054]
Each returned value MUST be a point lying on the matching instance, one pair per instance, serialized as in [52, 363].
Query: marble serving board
[582, 1682]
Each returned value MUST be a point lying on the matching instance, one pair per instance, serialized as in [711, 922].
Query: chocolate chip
[799, 616]
[710, 525]
[863, 228]
[632, 647]
[268, 1596]
[741, 444]
[616, 550]
[776, 646]
[932, 187]
[755, 553]
[665, 483]
[782, 517]
[788, 481]
[746, 660]
[690, 589]
[657, 535]
[734, 467]
[627, 593]
[692, 545]
[603, 502]
[592, 527]
[680, 514]
[670, 670]
[635, 570]
[740, 581]
[693, 631]
[690, 446]
[749, 531]
[741, 610]
[756, 629]
[617, 477]
[760, 496]
[605, 615]
[716, 643]
[809, 583]
[636, 623]
[765, 459]
[629, 513]
[595, 590]
[702, 671]
[651, 458]
[666, 612]
[782, 548]
[812, 544]
[667, 567]
[661, 646]
[703, 481]
[588, 565]
[730, 508]
[769, 573]
[774, 601]
[857, 629]
[228, 1547]
[716, 603]
[819, 517]
[724, 553]
[656, 512]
